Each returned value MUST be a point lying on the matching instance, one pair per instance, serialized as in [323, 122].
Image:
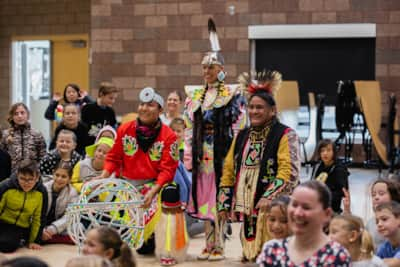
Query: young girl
[382, 191]
[332, 173]
[60, 194]
[64, 151]
[308, 212]
[348, 230]
[70, 121]
[106, 242]
[277, 220]
[72, 95]
[20, 141]
[21, 207]
[92, 165]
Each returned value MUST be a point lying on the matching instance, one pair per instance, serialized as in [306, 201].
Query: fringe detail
[168, 234]
[151, 225]
[252, 248]
[180, 231]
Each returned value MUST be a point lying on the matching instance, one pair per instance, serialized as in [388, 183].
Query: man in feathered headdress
[263, 162]
[213, 114]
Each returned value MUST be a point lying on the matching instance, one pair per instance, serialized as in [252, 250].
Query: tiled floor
[57, 255]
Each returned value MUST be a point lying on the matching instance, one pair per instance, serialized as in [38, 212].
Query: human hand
[83, 93]
[34, 246]
[46, 235]
[147, 200]
[57, 97]
[346, 201]
[263, 204]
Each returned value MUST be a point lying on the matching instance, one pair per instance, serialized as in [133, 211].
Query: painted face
[100, 152]
[326, 154]
[20, 116]
[277, 223]
[65, 143]
[71, 94]
[259, 111]
[305, 212]
[27, 181]
[149, 112]
[71, 116]
[173, 102]
[179, 131]
[108, 99]
[387, 224]
[92, 245]
[108, 134]
[61, 179]
[380, 194]
[338, 232]
[210, 73]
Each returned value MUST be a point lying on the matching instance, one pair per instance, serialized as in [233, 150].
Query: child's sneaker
[205, 254]
[216, 255]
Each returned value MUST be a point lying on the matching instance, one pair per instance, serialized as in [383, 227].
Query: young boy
[99, 114]
[21, 203]
[178, 126]
[388, 222]
[64, 151]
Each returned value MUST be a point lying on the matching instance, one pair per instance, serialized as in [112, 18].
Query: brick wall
[160, 43]
[35, 17]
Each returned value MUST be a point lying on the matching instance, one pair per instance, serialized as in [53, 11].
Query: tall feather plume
[212, 31]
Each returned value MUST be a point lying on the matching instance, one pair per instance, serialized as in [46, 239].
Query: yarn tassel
[168, 234]
[180, 231]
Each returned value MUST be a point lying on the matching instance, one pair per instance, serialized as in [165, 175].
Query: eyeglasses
[27, 181]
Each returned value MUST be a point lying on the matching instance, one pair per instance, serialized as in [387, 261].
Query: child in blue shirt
[388, 223]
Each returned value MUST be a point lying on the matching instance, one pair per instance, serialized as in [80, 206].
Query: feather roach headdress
[214, 56]
[268, 81]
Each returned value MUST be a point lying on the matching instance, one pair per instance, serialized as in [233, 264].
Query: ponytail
[125, 258]
[367, 245]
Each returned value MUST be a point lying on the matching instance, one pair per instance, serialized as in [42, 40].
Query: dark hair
[282, 202]
[267, 97]
[28, 166]
[392, 186]
[324, 194]
[110, 238]
[392, 206]
[324, 143]
[107, 88]
[178, 93]
[12, 110]
[24, 261]
[73, 86]
[66, 131]
[65, 166]
[177, 121]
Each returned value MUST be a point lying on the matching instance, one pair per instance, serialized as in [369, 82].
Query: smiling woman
[309, 211]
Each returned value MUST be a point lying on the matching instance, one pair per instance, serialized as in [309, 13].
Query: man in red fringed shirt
[146, 152]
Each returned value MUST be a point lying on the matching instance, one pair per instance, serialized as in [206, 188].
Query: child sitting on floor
[60, 194]
[64, 151]
[277, 218]
[92, 165]
[388, 222]
[106, 242]
[21, 207]
[348, 230]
